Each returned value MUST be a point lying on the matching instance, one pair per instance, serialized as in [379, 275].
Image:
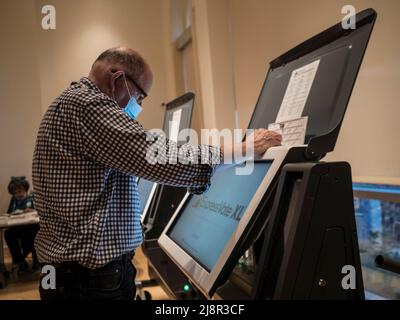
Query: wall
[20, 106]
[86, 28]
[214, 53]
[370, 135]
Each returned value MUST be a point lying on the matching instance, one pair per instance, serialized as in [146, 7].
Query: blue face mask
[132, 108]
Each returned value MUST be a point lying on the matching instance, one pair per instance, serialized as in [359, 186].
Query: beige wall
[37, 64]
[20, 105]
[86, 28]
[212, 45]
[369, 139]
[222, 62]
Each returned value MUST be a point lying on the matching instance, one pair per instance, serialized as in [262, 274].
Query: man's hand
[255, 145]
[263, 140]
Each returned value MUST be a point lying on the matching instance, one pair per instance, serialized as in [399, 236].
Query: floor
[25, 287]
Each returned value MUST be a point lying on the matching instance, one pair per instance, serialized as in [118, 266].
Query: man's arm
[110, 137]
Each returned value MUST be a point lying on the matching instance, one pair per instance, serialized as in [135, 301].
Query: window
[377, 209]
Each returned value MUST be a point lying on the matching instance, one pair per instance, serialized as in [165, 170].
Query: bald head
[112, 65]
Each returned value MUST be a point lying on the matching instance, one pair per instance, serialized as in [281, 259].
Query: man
[89, 151]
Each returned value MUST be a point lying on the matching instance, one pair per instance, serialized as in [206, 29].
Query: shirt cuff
[211, 157]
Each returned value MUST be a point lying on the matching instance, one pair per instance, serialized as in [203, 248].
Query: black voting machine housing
[323, 236]
[312, 199]
[152, 223]
[161, 269]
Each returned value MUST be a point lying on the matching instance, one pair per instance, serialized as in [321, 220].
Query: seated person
[20, 239]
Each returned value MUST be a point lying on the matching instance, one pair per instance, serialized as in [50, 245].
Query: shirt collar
[89, 83]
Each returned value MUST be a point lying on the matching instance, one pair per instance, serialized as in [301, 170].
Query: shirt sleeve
[111, 137]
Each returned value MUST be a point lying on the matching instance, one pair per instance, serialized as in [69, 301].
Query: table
[13, 220]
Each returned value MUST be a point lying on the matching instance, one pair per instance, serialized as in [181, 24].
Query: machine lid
[327, 66]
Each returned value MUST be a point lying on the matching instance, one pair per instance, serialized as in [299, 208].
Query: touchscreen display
[207, 221]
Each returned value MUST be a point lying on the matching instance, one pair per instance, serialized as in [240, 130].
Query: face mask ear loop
[127, 88]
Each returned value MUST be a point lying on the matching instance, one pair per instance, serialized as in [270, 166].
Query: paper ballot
[297, 92]
[293, 131]
[174, 125]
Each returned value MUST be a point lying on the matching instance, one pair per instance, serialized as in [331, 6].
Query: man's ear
[114, 77]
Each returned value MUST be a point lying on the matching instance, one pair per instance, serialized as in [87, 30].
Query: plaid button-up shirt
[88, 154]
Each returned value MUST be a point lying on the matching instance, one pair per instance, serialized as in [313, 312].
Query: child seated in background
[20, 239]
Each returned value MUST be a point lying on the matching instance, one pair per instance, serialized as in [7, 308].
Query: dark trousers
[20, 241]
[114, 281]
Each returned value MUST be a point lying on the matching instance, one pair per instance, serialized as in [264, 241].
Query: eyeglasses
[142, 92]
